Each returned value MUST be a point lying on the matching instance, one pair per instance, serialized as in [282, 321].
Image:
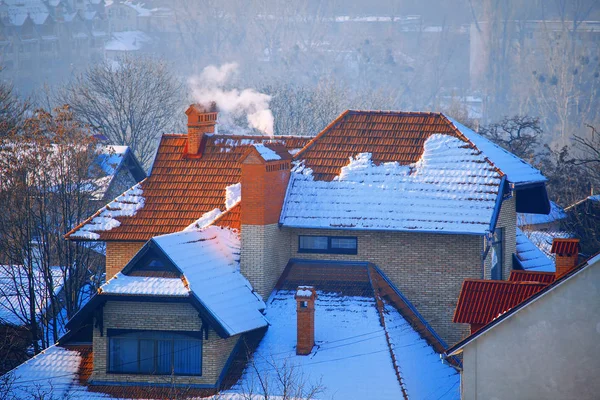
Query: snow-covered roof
[517, 171]
[556, 213]
[451, 188]
[126, 204]
[266, 153]
[145, 286]
[532, 258]
[127, 41]
[14, 292]
[350, 349]
[209, 261]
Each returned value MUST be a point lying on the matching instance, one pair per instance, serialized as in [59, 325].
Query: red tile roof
[181, 189]
[568, 246]
[481, 301]
[388, 136]
[231, 218]
[532, 276]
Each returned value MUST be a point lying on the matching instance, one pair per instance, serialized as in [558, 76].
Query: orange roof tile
[181, 189]
[481, 301]
[388, 136]
[568, 246]
[231, 218]
[532, 276]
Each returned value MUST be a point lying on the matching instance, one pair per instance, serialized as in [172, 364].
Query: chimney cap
[204, 108]
[306, 292]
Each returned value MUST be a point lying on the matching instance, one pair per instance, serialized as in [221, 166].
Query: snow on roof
[209, 260]
[517, 171]
[543, 240]
[205, 220]
[556, 213]
[14, 296]
[55, 369]
[233, 195]
[111, 157]
[127, 41]
[266, 153]
[350, 349]
[126, 205]
[144, 285]
[450, 189]
[530, 256]
[423, 374]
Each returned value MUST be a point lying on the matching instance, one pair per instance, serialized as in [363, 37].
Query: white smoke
[209, 86]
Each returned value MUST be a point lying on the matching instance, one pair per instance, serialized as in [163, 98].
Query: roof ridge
[321, 134]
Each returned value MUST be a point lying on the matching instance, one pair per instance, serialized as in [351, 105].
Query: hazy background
[478, 60]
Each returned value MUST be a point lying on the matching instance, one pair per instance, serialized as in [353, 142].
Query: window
[328, 244]
[497, 253]
[155, 353]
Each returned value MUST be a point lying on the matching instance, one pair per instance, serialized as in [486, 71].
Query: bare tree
[49, 173]
[519, 134]
[12, 109]
[131, 101]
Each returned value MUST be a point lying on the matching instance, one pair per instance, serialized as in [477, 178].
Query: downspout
[487, 245]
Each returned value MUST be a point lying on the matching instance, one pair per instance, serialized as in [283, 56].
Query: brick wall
[507, 220]
[165, 317]
[118, 255]
[427, 268]
[265, 253]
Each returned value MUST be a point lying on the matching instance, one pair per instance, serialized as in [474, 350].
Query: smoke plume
[232, 103]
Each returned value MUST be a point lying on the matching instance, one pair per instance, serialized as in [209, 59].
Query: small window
[314, 243]
[304, 304]
[497, 254]
[155, 353]
[328, 244]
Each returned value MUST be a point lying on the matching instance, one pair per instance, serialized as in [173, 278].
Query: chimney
[265, 176]
[201, 119]
[305, 310]
[567, 254]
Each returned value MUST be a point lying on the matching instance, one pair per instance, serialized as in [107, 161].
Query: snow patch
[126, 205]
[266, 153]
[233, 195]
[205, 220]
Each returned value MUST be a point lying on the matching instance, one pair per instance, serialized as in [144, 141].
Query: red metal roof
[532, 276]
[481, 301]
[388, 136]
[569, 246]
[181, 189]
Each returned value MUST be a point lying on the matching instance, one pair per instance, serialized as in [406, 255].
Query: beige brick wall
[427, 268]
[118, 255]
[164, 317]
[507, 220]
[265, 253]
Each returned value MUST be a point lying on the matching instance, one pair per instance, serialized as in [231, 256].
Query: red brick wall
[565, 263]
[263, 190]
[118, 255]
[306, 325]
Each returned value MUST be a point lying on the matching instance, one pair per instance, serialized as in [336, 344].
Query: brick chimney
[265, 250]
[201, 119]
[567, 254]
[305, 311]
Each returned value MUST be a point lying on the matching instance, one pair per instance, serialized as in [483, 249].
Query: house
[37, 36]
[119, 170]
[387, 212]
[507, 356]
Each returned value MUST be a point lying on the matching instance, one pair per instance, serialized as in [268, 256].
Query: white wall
[548, 350]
